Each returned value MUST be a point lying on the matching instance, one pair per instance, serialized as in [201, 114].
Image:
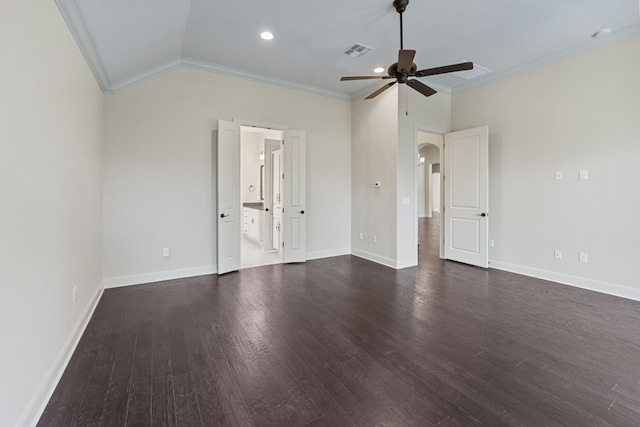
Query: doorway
[229, 206]
[260, 176]
[429, 153]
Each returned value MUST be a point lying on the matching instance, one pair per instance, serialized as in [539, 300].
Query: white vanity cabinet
[253, 223]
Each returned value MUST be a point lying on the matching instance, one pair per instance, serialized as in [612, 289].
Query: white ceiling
[128, 41]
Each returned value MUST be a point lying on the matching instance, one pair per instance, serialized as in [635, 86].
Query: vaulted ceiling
[129, 41]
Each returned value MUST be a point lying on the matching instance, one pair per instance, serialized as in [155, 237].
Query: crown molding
[74, 21]
[145, 76]
[233, 72]
[582, 48]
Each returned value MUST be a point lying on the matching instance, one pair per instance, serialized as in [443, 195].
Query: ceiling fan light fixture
[266, 35]
[378, 70]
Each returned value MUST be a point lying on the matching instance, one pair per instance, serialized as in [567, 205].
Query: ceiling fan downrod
[401, 6]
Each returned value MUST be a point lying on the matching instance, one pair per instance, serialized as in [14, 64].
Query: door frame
[269, 126]
[441, 132]
[268, 193]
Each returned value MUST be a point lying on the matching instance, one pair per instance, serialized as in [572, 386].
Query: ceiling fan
[405, 67]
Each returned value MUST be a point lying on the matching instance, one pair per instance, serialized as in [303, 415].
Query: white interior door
[229, 213]
[270, 145]
[466, 196]
[293, 197]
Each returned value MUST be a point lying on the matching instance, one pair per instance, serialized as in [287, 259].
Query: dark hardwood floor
[343, 342]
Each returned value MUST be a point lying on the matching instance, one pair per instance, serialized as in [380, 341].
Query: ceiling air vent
[477, 71]
[357, 50]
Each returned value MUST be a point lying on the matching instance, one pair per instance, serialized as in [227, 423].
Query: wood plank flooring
[346, 342]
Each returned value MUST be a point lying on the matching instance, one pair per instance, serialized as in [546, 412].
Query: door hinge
[283, 244]
[282, 176]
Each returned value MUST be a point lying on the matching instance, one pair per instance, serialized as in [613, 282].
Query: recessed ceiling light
[603, 32]
[266, 35]
[378, 70]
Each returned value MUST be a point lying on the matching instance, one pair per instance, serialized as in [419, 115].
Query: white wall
[374, 139]
[50, 202]
[384, 142]
[581, 113]
[159, 180]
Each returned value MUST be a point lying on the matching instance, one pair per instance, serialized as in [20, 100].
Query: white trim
[388, 262]
[143, 77]
[38, 402]
[567, 279]
[582, 48]
[234, 72]
[406, 263]
[328, 253]
[74, 21]
[374, 257]
[260, 125]
[158, 276]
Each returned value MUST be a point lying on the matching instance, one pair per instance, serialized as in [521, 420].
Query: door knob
[223, 215]
[301, 212]
[482, 214]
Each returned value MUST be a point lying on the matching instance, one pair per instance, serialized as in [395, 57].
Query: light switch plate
[584, 175]
[558, 175]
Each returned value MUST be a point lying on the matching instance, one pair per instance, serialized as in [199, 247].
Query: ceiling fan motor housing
[400, 76]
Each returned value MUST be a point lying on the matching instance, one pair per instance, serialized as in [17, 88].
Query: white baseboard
[406, 263]
[38, 402]
[328, 254]
[567, 279]
[138, 279]
[369, 256]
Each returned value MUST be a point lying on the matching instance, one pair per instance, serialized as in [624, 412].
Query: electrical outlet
[583, 257]
[361, 236]
[374, 238]
[74, 294]
[557, 254]
[165, 251]
[584, 175]
[491, 243]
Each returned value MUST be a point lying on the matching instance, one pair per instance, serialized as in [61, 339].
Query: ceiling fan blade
[421, 87]
[344, 79]
[379, 91]
[405, 59]
[446, 69]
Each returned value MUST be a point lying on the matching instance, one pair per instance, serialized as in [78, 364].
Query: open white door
[270, 145]
[229, 214]
[293, 203]
[466, 196]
